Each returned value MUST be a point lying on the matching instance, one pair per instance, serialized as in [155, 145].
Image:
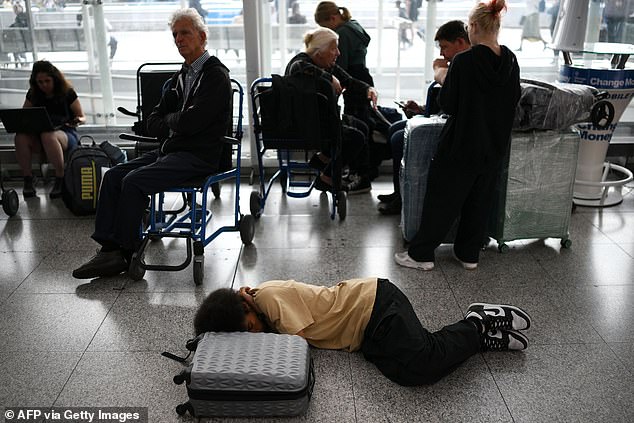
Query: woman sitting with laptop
[49, 88]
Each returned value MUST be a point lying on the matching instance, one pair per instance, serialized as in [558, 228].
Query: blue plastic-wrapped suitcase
[422, 135]
[244, 374]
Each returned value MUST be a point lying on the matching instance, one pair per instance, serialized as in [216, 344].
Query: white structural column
[379, 38]
[104, 63]
[88, 37]
[31, 22]
[430, 30]
[256, 59]
[282, 20]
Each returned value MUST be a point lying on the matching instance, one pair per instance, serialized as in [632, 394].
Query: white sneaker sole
[465, 265]
[405, 260]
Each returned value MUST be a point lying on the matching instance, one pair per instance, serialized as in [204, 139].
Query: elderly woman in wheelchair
[320, 58]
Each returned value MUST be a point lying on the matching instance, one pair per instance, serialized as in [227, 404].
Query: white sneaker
[465, 265]
[405, 260]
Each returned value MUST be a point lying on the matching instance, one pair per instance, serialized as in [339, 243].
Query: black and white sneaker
[498, 316]
[503, 340]
[358, 185]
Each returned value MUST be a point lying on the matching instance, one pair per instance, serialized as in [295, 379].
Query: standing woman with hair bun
[480, 94]
[353, 44]
[353, 40]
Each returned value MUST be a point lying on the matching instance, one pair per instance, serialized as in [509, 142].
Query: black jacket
[199, 125]
[480, 94]
[357, 91]
[304, 61]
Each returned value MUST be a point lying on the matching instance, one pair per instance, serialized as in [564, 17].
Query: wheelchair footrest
[198, 250]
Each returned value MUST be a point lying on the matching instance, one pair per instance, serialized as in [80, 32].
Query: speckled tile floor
[66, 342]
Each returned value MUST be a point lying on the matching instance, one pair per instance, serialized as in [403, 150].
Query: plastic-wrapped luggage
[534, 194]
[554, 106]
[422, 135]
[246, 374]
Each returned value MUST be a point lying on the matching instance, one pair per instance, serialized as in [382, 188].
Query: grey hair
[319, 39]
[193, 16]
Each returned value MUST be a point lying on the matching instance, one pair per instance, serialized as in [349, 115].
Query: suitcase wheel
[181, 409]
[180, 378]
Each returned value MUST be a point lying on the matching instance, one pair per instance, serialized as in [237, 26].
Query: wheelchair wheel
[199, 269]
[215, 188]
[342, 204]
[135, 271]
[254, 204]
[10, 202]
[247, 229]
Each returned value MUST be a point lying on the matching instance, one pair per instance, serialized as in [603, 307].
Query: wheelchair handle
[132, 137]
[127, 112]
[230, 140]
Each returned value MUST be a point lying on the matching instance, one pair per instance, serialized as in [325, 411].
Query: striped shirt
[192, 72]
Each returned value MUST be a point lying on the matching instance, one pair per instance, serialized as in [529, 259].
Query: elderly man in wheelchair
[191, 120]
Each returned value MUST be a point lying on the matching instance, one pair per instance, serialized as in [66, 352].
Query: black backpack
[82, 177]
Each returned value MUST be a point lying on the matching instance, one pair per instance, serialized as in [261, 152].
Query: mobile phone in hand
[400, 104]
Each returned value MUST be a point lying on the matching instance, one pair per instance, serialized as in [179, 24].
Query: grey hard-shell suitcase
[244, 374]
[422, 135]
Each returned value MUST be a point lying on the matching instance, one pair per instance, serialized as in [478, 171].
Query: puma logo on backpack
[83, 173]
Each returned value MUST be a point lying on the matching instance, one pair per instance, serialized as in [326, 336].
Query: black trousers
[406, 352]
[452, 192]
[354, 145]
[124, 192]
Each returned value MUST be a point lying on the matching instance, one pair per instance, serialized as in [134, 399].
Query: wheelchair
[296, 177]
[190, 221]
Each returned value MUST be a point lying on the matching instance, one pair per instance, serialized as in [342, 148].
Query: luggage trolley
[190, 222]
[296, 177]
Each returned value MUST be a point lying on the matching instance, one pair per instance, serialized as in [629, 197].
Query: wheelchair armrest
[138, 138]
[127, 112]
[230, 140]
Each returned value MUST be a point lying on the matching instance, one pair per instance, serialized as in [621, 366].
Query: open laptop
[31, 120]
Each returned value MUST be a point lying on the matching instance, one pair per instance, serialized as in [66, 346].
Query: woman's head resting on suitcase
[322, 47]
[226, 310]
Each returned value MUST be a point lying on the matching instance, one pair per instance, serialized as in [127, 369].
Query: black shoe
[359, 185]
[321, 185]
[29, 187]
[388, 198]
[110, 263]
[393, 207]
[56, 192]
[316, 163]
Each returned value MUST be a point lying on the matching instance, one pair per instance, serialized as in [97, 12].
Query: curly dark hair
[60, 83]
[222, 311]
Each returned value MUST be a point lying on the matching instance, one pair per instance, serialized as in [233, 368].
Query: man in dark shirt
[191, 120]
